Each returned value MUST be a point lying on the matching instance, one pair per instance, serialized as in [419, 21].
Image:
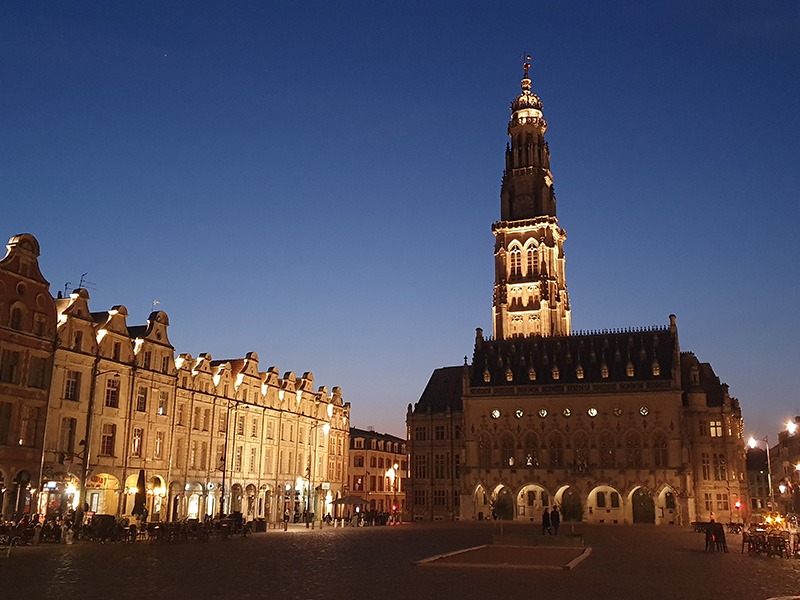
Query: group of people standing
[550, 521]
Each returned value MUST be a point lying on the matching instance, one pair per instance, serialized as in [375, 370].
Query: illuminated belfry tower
[530, 288]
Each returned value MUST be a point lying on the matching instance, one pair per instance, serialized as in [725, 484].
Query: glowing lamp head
[752, 442]
[791, 427]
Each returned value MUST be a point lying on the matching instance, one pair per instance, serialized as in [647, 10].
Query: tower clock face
[543, 412]
[644, 411]
[592, 412]
[518, 413]
[496, 413]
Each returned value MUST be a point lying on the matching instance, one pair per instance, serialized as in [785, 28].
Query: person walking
[546, 522]
[555, 519]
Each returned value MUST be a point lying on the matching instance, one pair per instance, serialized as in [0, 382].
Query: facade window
[715, 429]
[703, 427]
[206, 419]
[531, 498]
[253, 460]
[165, 364]
[420, 497]
[240, 425]
[660, 458]
[193, 454]
[515, 263]
[358, 483]
[669, 500]
[37, 373]
[9, 367]
[709, 502]
[373, 462]
[16, 318]
[270, 429]
[66, 438]
[456, 499]
[420, 466]
[237, 463]
[533, 263]
[606, 447]
[720, 471]
[254, 428]
[633, 451]
[158, 448]
[181, 413]
[112, 393]
[439, 498]
[203, 456]
[28, 424]
[141, 399]
[77, 341]
[420, 434]
[438, 432]
[72, 386]
[108, 439]
[706, 465]
[722, 501]
[223, 421]
[197, 416]
[556, 451]
[358, 461]
[147, 356]
[601, 499]
[484, 451]
[531, 450]
[456, 466]
[5, 421]
[380, 462]
[116, 351]
[581, 451]
[163, 399]
[614, 500]
[136, 445]
[507, 448]
[439, 466]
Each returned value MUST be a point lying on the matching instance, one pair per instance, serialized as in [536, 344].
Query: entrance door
[571, 508]
[644, 509]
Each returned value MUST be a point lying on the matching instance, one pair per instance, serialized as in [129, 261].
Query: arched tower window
[16, 318]
[532, 259]
[515, 263]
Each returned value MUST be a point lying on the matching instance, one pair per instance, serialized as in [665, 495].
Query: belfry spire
[530, 291]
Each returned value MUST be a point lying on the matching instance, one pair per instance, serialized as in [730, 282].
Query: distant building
[377, 470]
[785, 459]
[758, 482]
[612, 426]
[88, 401]
[27, 332]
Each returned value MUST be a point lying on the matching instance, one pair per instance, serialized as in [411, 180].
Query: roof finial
[526, 81]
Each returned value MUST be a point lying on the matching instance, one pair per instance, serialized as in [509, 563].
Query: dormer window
[556, 373]
[579, 372]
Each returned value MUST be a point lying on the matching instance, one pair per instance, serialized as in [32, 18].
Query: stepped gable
[443, 391]
[620, 355]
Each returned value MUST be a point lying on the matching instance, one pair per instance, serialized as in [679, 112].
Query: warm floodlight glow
[330, 410]
[326, 429]
[782, 488]
[791, 426]
[299, 396]
[281, 393]
[752, 442]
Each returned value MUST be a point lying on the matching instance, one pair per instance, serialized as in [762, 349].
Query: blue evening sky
[316, 181]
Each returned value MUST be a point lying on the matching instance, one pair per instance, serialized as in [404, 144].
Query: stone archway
[531, 501]
[667, 511]
[102, 493]
[570, 504]
[503, 504]
[483, 505]
[236, 498]
[604, 505]
[643, 507]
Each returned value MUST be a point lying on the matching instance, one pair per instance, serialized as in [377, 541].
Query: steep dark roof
[137, 331]
[443, 391]
[756, 459]
[709, 382]
[535, 360]
[355, 432]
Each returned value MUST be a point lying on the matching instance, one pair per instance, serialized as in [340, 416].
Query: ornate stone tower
[530, 288]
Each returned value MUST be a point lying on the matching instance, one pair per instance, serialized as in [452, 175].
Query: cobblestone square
[358, 563]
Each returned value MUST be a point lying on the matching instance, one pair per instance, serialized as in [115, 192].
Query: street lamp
[312, 465]
[392, 475]
[87, 438]
[752, 443]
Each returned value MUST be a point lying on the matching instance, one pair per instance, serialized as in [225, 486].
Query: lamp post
[312, 465]
[752, 443]
[87, 439]
[395, 481]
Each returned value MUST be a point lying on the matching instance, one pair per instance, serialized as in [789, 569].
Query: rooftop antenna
[153, 305]
[85, 283]
[66, 288]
